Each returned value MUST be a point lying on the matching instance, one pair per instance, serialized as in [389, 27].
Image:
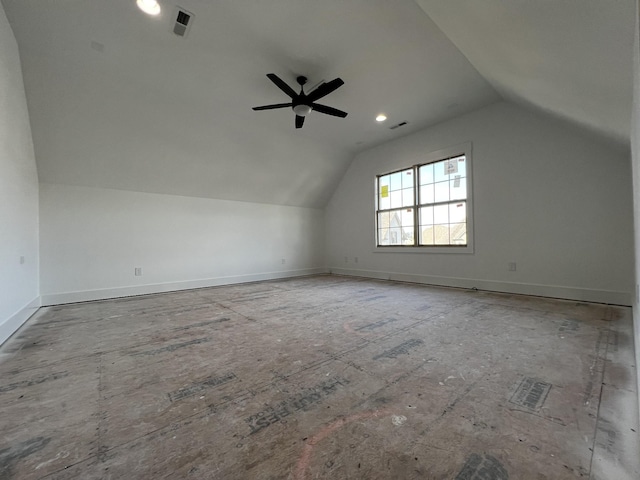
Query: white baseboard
[15, 321]
[106, 293]
[636, 340]
[552, 291]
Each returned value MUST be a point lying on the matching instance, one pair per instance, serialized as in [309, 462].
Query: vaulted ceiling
[571, 58]
[117, 100]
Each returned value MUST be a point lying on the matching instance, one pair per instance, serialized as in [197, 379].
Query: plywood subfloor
[321, 377]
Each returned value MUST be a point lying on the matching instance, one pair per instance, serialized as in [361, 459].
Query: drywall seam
[551, 291]
[14, 322]
[106, 293]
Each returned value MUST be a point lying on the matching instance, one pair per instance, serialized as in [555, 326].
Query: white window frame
[436, 156]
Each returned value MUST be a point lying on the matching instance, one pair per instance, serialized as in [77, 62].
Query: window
[427, 205]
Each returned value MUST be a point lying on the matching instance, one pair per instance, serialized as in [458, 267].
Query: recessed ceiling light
[381, 117]
[150, 7]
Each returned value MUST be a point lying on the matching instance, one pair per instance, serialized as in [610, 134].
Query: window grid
[438, 208]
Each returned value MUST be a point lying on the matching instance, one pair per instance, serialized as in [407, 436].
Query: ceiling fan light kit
[301, 103]
[302, 110]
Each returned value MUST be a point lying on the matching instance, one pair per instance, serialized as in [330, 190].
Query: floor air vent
[183, 23]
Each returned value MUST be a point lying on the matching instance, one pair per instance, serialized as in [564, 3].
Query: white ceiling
[571, 58]
[118, 101]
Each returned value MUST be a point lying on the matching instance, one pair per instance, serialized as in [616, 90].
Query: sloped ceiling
[118, 101]
[571, 58]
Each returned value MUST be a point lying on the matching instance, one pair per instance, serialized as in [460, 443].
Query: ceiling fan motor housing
[301, 103]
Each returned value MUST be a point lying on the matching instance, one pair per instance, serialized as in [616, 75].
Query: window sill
[468, 249]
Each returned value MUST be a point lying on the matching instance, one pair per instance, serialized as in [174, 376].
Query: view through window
[424, 205]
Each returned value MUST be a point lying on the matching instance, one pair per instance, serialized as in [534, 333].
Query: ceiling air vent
[183, 22]
[401, 124]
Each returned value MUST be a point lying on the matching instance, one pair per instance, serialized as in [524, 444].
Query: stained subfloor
[321, 377]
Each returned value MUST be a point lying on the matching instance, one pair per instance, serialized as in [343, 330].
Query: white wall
[92, 239]
[635, 155]
[18, 193]
[546, 196]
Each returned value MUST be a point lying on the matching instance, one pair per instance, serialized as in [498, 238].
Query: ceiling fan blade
[299, 121]
[282, 85]
[328, 110]
[325, 89]
[271, 107]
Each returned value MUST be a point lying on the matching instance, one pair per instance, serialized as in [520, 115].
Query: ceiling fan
[301, 103]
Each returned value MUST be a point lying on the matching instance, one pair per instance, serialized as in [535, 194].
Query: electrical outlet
[346, 259]
[284, 261]
[355, 259]
[137, 271]
[512, 266]
[21, 259]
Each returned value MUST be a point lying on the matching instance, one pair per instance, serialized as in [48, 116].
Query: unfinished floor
[321, 377]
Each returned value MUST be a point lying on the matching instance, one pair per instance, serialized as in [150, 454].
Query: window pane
[458, 212]
[383, 219]
[440, 171]
[441, 234]
[426, 216]
[396, 198]
[426, 235]
[446, 169]
[383, 181]
[427, 193]
[442, 192]
[462, 166]
[396, 181]
[383, 193]
[395, 236]
[407, 179]
[458, 188]
[458, 232]
[407, 226]
[407, 236]
[383, 236]
[396, 227]
[407, 217]
[426, 174]
[407, 197]
[395, 219]
[441, 214]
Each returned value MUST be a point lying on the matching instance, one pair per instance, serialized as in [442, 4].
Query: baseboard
[552, 291]
[130, 291]
[636, 341]
[14, 322]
